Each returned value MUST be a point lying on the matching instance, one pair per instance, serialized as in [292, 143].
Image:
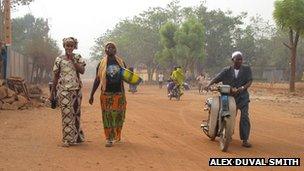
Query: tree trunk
[150, 74]
[293, 40]
[153, 71]
[39, 79]
[33, 68]
[151, 67]
[292, 69]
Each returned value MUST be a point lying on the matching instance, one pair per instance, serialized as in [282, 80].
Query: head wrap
[108, 44]
[70, 40]
[235, 54]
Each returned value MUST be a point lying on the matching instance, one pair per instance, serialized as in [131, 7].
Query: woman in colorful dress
[112, 97]
[67, 85]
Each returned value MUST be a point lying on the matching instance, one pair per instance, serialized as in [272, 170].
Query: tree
[21, 2]
[245, 42]
[219, 43]
[288, 15]
[14, 3]
[30, 38]
[137, 40]
[166, 56]
[196, 39]
[190, 41]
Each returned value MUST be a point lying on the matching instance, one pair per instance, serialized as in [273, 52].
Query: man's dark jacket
[227, 77]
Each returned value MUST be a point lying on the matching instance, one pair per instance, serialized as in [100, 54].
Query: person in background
[3, 60]
[188, 77]
[67, 85]
[160, 80]
[201, 82]
[132, 88]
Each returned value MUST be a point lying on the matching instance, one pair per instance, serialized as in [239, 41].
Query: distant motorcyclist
[178, 78]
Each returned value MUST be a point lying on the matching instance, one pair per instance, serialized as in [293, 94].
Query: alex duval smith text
[254, 162]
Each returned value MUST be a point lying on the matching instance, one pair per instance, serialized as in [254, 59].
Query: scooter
[173, 91]
[221, 116]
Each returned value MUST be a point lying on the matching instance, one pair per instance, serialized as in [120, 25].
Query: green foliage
[16, 3]
[190, 43]
[219, 27]
[289, 14]
[245, 40]
[30, 38]
[167, 33]
[197, 39]
[166, 55]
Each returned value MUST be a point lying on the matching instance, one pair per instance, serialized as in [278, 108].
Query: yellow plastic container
[130, 77]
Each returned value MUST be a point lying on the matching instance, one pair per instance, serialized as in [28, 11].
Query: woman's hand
[51, 97]
[91, 100]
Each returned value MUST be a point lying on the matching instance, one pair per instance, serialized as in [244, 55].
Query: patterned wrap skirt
[70, 104]
[113, 106]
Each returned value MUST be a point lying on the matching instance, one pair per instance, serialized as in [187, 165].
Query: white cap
[236, 53]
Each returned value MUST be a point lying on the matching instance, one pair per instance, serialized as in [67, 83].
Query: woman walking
[112, 98]
[67, 86]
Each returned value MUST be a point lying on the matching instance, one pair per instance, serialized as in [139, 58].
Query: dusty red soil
[159, 134]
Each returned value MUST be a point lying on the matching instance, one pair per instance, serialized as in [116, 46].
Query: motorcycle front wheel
[226, 133]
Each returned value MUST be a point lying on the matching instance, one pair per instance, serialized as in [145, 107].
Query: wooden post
[1, 22]
[7, 22]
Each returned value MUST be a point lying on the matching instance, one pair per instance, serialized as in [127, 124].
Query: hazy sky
[87, 20]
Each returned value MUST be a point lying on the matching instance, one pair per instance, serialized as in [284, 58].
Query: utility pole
[7, 22]
[1, 22]
[1, 40]
[6, 37]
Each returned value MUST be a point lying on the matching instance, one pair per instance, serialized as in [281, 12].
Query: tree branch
[291, 36]
[296, 39]
[289, 47]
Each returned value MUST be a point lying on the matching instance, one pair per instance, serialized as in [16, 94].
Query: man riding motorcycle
[177, 77]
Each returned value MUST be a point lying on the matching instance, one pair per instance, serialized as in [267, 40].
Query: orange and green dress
[112, 98]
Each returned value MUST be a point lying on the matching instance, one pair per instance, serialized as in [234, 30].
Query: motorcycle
[221, 116]
[173, 91]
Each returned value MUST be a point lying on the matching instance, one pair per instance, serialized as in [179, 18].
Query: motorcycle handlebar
[214, 88]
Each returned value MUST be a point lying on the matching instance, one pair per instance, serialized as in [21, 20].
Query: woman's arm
[79, 67]
[78, 63]
[95, 86]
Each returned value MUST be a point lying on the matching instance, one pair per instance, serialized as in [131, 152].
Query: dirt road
[159, 134]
